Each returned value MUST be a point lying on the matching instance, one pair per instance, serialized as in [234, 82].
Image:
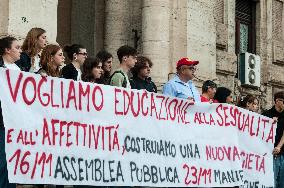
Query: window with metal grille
[219, 11]
[245, 26]
[277, 11]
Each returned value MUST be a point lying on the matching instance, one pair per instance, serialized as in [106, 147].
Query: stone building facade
[212, 32]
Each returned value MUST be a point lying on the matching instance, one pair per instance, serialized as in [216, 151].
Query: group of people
[182, 86]
[39, 57]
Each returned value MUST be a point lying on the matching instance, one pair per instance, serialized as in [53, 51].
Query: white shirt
[79, 74]
[36, 66]
[12, 66]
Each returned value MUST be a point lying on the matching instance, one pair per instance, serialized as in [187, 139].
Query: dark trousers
[4, 181]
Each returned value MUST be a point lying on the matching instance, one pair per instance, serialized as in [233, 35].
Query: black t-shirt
[280, 125]
[1, 117]
[148, 84]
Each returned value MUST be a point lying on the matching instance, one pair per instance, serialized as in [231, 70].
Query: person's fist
[276, 150]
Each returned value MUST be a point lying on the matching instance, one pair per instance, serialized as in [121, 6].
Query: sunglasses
[85, 53]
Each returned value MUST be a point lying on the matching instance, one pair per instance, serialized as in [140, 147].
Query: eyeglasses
[84, 54]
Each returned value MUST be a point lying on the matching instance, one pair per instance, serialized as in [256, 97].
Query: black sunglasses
[85, 53]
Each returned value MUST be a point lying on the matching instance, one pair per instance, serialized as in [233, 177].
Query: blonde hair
[29, 45]
[46, 60]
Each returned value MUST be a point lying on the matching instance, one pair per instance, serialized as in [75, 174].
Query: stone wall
[20, 16]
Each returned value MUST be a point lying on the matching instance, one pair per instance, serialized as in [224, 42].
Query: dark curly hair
[278, 95]
[140, 64]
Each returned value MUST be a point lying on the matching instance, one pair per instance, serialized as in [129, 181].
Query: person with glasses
[277, 113]
[127, 57]
[181, 85]
[141, 75]
[77, 54]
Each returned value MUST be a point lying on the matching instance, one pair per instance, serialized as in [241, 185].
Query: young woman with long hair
[51, 59]
[106, 59]
[249, 102]
[33, 44]
[92, 70]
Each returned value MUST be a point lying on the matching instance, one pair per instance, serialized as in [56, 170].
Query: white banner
[74, 133]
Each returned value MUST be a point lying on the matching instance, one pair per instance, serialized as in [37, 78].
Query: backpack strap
[124, 83]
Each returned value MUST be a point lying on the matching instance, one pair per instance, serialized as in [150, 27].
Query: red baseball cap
[186, 61]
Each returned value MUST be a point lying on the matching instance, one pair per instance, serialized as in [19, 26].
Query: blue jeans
[278, 168]
[4, 181]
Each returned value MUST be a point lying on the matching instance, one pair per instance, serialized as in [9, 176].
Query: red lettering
[126, 97]
[62, 94]
[52, 102]
[33, 82]
[135, 114]
[71, 95]
[173, 114]
[100, 106]
[116, 90]
[42, 80]
[45, 133]
[9, 140]
[271, 133]
[220, 107]
[153, 106]
[14, 93]
[54, 132]
[84, 93]
[145, 94]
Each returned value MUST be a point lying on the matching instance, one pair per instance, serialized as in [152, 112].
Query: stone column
[99, 24]
[4, 19]
[64, 12]
[178, 36]
[117, 26]
[201, 37]
[25, 14]
[83, 24]
[226, 64]
[155, 37]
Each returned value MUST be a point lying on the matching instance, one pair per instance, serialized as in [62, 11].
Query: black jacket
[280, 125]
[1, 116]
[24, 62]
[148, 84]
[69, 72]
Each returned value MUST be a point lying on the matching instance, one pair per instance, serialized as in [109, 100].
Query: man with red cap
[181, 85]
